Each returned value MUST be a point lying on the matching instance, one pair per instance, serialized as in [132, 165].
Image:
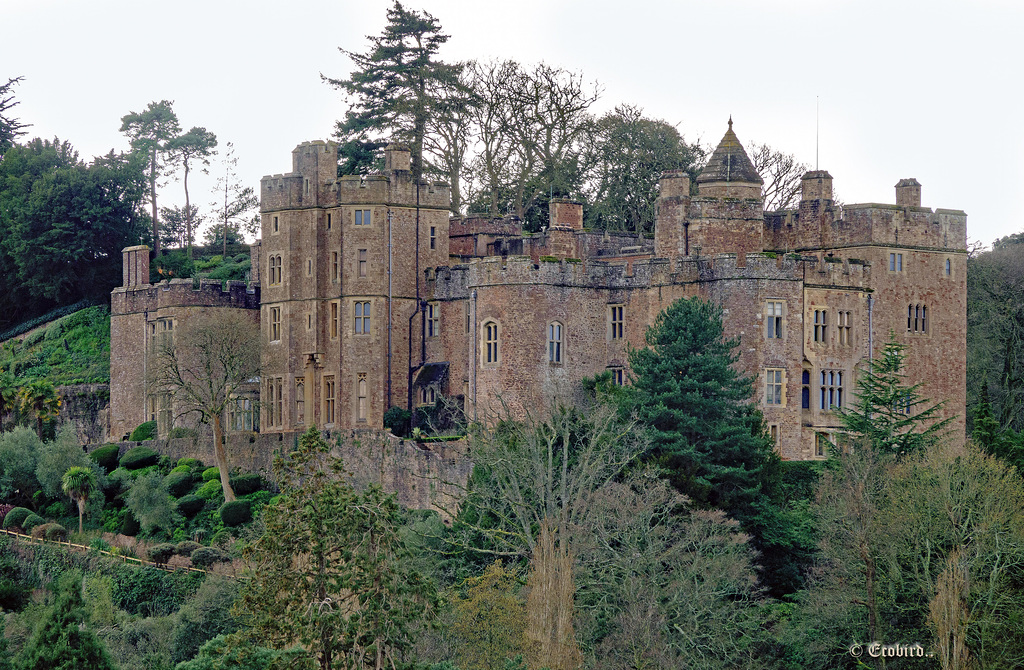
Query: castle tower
[727, 214]
[342, 271]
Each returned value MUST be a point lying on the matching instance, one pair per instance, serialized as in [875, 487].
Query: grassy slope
[74, 349]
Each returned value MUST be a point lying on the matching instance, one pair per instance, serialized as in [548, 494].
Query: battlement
[183, 293]
[314, 182]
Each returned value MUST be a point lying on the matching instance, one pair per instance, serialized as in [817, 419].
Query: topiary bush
[180, 468]
[209, 474]
[161, 552]
[186, 548]
[31, 521]
[16, 517]
[145, 431]
[50, 531]
[210, 490]
[139, 457]
[191, 505]
[55, 532]
[191, 463]
[179, 483]
[236, 512]
[247, 483]
[204, 557]
[105, 456]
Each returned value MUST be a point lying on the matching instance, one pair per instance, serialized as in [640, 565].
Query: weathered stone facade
[373, 297]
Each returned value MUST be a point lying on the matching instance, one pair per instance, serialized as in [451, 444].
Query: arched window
[949, 267]
[492, 350]
[555, 342]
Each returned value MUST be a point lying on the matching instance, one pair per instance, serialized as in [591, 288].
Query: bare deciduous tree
[211, 358]
[541, 473]
[781, 173]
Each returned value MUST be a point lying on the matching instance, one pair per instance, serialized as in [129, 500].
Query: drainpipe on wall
[472, 349]
[390, 240]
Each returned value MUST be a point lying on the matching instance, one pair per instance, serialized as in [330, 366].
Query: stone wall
[424, 476]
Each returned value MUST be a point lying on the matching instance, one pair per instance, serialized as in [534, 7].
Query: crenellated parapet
[183, 293]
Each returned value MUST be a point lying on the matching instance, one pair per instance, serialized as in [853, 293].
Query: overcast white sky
[925, 89]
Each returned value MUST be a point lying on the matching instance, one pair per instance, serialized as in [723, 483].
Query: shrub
[50, 531]
[397, 421]
[57, 510]
[236, 512]
[248, 483]
[105, 456]
[191, 505]
[4, 509]
[56, 532]
[145, 431]
[192, 463]
[31, 521]
[130, 526]
[181, 431]
[209, 474]
[151, 503]
[161, 552]
[180, 468]
[204, 557]
[16, 517]
[179, 483]
[164, 464]
[139, 457]
[210, 490]
[99, 544]
[186, 548]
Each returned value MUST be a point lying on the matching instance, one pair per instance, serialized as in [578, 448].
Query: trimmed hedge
[192, 463]
[209, 474]
[139, 457]
[16, 517]
[161, 553]
[191, 505]
[204, 557]
[186, 547]
[31, 521]
[145, 431]
[179, 483]
[105, 456]
[248, 483]
[236, 512]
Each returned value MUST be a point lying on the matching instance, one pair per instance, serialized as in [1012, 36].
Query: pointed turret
[729, 172]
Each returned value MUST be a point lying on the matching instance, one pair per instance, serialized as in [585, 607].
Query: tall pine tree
[890, 411]
[706, 432]
[709, 438]
[395, 89]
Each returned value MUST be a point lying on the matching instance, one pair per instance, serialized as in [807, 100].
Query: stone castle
[369, 295]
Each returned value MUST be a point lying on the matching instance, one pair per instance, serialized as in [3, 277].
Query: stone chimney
[135, 265]
[564, 213]
[816, 185]
[397, 157]
[908, 193]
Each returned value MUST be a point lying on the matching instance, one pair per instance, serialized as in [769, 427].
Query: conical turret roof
[729, 163]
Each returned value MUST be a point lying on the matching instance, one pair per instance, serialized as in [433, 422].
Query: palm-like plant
[8, 397]
[39, 398]
[79, 483]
